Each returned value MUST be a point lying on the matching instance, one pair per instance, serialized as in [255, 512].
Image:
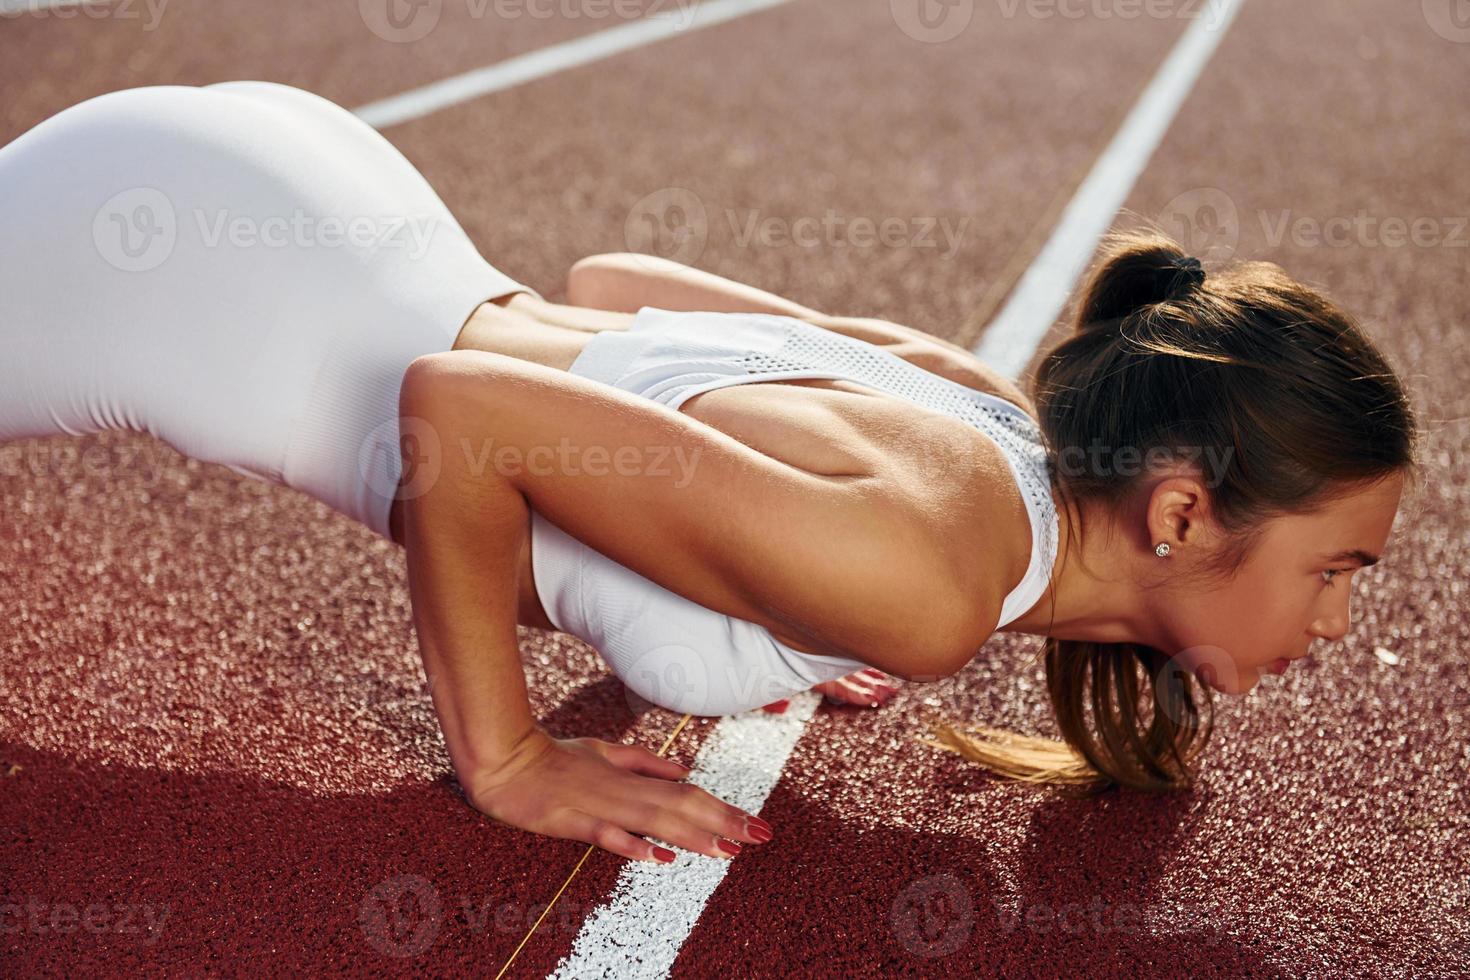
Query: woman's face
[1293, 590]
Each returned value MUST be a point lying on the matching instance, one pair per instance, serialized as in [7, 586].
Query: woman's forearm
[627, 282]
[462, 536]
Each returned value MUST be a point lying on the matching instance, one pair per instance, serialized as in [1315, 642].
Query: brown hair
[1244, 363]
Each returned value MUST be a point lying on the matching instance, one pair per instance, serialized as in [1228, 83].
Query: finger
[828, 689]
[636, 758]
[610, 837]
[667, 825]
[853, 692]
[874, 673]
[871, 690]
[711, 814]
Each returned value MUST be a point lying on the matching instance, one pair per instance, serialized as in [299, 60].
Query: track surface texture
[217, 755]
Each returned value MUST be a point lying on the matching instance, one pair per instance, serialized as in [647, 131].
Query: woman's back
[817, 400]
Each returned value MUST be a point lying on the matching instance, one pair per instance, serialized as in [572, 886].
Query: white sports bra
[681, 655]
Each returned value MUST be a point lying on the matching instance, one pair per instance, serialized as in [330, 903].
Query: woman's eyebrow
[1358, 555]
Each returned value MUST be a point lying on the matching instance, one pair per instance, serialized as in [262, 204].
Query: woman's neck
[1091, 595]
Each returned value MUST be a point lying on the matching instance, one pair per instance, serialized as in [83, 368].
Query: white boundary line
[419, 102]
[1039, 298]
[640, 929]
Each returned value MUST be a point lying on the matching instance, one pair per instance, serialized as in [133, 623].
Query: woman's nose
[1334, 626]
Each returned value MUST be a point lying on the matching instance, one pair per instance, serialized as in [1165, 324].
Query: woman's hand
[604, 793]
[868, 688]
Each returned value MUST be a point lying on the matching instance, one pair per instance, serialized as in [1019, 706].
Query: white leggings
[243, 270]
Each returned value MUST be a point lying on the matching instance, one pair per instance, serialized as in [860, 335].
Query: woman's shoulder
[960, 482]
[932, 354]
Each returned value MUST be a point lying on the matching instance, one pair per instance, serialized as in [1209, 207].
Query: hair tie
[1190, 266]
[1188, 275]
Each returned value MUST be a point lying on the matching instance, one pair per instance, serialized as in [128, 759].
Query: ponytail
[1245, 363]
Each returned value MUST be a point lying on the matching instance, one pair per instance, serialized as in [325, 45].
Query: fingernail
[758, 822]
[664, 854]
[778, 707]
[728, 846]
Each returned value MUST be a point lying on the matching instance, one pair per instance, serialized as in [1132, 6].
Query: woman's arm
[463, 532]
[704, 515]
[720, 523]
[628, 281]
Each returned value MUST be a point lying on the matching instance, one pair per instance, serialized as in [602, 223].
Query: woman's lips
[1279, 665]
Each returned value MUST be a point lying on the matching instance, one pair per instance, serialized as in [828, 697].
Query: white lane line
[1040, 297]
[558, 57]
[640, 929]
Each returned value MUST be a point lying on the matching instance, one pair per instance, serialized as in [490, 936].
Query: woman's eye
[1333, 573]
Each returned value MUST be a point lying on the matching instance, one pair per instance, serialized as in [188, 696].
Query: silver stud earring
[1163, 549]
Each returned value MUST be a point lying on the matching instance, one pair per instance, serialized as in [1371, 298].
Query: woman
[731, 496]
